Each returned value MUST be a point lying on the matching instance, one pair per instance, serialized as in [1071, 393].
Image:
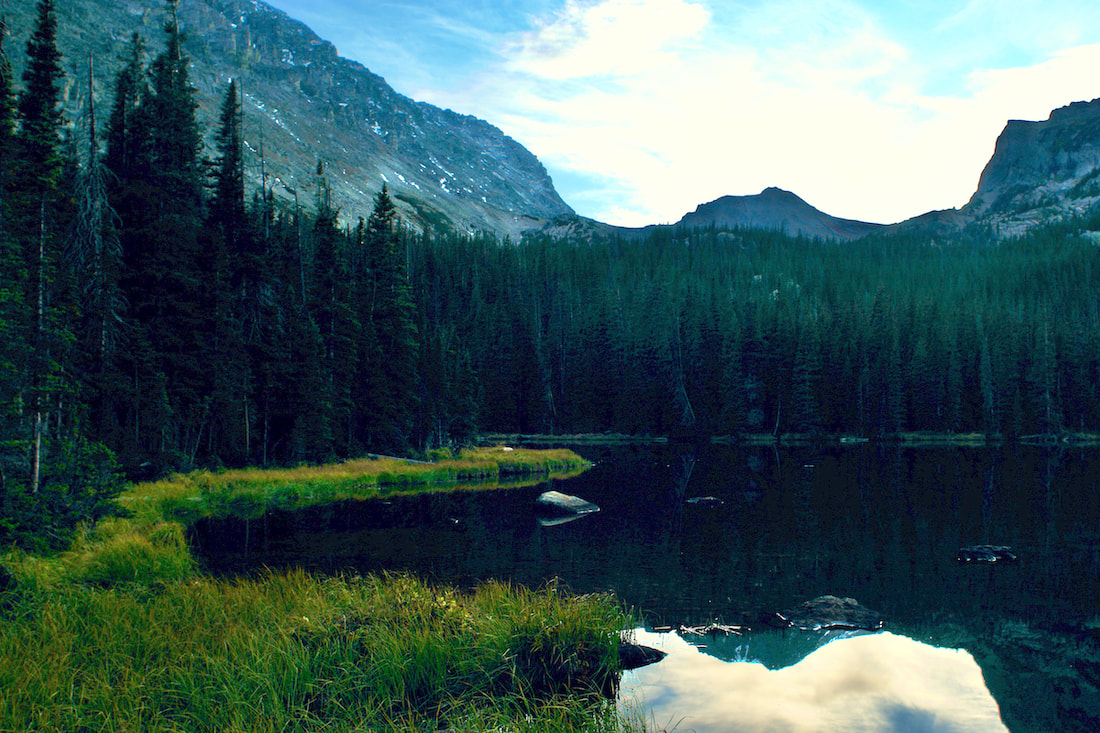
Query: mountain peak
[776, 208]
[1041, 171]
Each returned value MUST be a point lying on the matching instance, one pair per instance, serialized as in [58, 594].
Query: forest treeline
[710, 332]
[155, 316]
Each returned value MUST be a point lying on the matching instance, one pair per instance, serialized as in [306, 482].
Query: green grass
[123, 632]
[290, 651]
[250, 492]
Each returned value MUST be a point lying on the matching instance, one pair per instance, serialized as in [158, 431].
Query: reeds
[123, 633]
[290, 651]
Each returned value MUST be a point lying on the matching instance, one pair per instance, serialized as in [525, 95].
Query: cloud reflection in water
[874, 682]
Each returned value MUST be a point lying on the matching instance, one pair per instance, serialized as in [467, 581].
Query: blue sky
[643, 109]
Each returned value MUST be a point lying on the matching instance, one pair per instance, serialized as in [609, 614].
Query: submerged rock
[826, 613]
[705, 501]
[986, 554]
[557, 503]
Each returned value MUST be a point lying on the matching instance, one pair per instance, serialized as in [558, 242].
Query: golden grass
[249, 492]
[124, 633]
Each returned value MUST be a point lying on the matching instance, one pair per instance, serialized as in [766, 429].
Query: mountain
[304, 103]
[1041, 171]
[774, 208]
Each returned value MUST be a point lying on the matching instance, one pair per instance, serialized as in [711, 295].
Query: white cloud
[614, 37]
[865, 683]
[674, 105]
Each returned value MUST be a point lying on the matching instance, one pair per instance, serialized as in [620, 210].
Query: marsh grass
[290, 651]
[248, 493]
[124, 633]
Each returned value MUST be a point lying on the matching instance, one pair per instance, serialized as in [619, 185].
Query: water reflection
[863, 682]
[883, 526]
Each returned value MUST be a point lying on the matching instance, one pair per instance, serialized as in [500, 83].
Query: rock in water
[557, 503]
[988, 554]
[706, 501]
[633, 656]
[829, 612]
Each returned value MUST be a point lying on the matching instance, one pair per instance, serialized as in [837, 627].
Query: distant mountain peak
[779, 209]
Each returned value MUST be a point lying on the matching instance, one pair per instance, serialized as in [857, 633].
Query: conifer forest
[155, 316]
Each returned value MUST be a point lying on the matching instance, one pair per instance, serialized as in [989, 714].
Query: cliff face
[1041, 171]
[304, 103]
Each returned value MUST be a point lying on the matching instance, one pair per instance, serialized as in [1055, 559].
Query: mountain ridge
[304, 104]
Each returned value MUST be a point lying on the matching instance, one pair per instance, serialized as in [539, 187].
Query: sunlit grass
[249, 492]
[124, 632]
[290, 651]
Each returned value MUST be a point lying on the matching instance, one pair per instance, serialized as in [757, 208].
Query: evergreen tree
[167, 288]
[227, 210]
[388, 311]
[7, 120]
[34, 199]
[126, 135]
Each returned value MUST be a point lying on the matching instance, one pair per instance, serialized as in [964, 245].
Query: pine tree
[227, 211]
[35, 185]
[155, 138]
[126, 131]
[389, 313]
[235, 277]
[13, 344]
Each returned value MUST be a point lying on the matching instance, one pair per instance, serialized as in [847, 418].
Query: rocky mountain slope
[303, 103]
[1041, 170]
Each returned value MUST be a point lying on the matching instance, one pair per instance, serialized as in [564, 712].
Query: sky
[643, 109]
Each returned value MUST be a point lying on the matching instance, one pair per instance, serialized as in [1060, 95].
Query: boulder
[826, 613]
[556, 503]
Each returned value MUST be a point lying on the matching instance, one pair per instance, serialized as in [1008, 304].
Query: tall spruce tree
[37, 170]
[126, 131]
[154, 139]
[233, 274]
[389, 314]
[13, 344]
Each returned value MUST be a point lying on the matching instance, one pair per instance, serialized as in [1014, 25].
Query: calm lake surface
[966, 647]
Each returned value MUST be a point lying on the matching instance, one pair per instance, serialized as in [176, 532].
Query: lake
[977, 647]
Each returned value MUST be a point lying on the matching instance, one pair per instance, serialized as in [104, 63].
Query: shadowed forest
[155, 316]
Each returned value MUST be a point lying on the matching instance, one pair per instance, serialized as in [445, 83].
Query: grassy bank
[124, 633]
[248, 492]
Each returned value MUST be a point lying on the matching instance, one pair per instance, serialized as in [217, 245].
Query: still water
[965, 647]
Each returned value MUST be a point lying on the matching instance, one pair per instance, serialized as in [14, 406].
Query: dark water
[879, 525]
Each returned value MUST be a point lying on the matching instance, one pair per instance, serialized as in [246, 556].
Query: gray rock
[559, 504]
[826, 613]
[705, 501]
[988, 554]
